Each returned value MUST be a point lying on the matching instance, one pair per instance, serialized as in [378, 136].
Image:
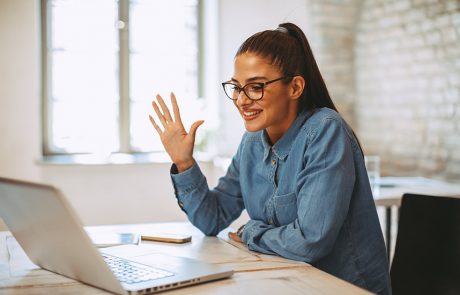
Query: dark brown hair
[288, 49]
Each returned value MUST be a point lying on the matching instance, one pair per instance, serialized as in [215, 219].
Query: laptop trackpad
[146, 254]
[165, 261]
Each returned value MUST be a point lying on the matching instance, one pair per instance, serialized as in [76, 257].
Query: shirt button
[273, 162]
[270, 221]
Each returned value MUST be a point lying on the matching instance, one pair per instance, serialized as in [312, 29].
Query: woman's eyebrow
[252, 79]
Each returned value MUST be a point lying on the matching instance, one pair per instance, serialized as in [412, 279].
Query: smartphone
[109, 239]
[166, 238]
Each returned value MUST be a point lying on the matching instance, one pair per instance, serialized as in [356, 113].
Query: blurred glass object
[373, 172]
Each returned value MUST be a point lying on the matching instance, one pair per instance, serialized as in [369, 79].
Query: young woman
[298, 171]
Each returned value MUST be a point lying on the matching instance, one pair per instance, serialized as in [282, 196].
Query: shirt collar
[282, 147]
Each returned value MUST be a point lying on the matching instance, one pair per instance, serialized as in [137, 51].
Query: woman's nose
[243, 99]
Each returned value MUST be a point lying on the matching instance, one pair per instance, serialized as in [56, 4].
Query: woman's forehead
[248, 65]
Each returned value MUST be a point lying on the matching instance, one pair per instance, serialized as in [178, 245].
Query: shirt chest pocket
[285, 208]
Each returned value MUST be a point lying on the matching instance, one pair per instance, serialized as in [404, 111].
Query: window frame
[50, 153]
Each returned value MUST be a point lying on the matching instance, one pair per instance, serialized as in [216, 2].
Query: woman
[298, 171]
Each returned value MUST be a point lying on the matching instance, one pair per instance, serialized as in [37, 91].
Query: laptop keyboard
[130, 272]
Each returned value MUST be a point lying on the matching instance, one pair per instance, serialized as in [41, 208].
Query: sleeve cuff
[187, 180]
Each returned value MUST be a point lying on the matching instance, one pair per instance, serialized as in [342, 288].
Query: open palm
[175, 139]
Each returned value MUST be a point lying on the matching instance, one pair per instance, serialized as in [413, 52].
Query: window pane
[163, 58]
[83, 90]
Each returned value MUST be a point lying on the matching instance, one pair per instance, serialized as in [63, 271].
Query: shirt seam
[191, 188]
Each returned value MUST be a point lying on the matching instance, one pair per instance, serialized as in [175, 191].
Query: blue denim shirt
[308, 198]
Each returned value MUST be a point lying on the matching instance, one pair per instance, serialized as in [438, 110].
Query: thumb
[194, 127]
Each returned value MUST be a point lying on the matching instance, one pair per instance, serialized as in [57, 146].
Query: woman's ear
[297, 86]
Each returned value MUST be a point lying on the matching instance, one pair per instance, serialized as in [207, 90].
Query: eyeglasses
[253, 90]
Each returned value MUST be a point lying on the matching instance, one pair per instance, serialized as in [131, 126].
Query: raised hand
[176, 141]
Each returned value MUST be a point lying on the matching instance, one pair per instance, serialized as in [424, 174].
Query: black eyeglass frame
[262, 85]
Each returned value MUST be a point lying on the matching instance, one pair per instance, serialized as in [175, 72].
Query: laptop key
[130, 272]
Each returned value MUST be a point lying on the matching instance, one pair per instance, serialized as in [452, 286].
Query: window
[103, 63]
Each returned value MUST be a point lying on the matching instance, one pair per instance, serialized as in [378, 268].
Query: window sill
[117, 159]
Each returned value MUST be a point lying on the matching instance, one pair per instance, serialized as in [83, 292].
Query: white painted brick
[452, 5]
[458, 30]
[453, 142]
[439, 82]
[452, 50]
[433, 37]
[435, 10]
[414, 16]
[401, 5]
[453, 172]
[419, 2]
[455, 18]
[449, 35]
[411, 86]
[334, 9]
[454, 80]
[442, 21]
[440, 53]
[376, 12]
[427, 24]
[417, 69]
[412, 27]
[333, 21]
[390, 21]
[452, 95]
[390, 45]
[413, 41]
[395, 33]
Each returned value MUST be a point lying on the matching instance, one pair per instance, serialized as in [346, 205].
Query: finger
[234, 237]
[155, 125]
[195, 127]
[175, 108]
[165, 109]
[159, 114]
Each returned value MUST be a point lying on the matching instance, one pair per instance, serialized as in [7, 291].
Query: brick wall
[332, 42]
[407, 75]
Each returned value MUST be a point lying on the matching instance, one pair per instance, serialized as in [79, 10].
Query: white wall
[239, 19]
[104, 194]
[19, 89]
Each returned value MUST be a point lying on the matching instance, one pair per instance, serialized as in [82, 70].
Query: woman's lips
[250, 115]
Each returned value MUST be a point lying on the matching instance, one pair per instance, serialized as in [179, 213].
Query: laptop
[51, 234]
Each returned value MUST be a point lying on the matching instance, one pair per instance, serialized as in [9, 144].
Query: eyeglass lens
[253, 91]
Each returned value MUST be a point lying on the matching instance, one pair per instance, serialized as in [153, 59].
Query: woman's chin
[252, 127]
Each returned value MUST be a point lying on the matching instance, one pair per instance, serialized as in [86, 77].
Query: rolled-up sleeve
[324, 190]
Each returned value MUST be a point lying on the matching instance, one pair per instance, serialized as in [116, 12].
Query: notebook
[51, 234]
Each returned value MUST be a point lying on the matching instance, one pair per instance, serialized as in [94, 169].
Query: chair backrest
[427, 253]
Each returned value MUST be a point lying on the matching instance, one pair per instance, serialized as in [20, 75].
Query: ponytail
[315, 93]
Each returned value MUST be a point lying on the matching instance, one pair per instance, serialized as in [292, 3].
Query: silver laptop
[52, 235]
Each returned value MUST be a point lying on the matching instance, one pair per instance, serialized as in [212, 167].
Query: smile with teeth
[250, 115]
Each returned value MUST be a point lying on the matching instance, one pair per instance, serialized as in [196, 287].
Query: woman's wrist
[183, 166]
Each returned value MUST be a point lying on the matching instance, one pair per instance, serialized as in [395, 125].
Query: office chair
[427, 253]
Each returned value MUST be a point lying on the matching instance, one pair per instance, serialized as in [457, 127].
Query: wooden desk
[255, 273]
[391, 190]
